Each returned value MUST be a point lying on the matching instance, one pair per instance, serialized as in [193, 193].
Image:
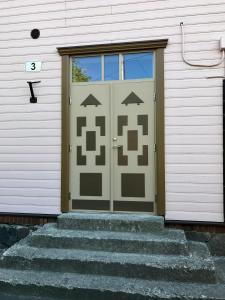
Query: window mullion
[121, 75]
[103, 67]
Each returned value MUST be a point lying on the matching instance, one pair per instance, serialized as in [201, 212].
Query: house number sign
[33, 66]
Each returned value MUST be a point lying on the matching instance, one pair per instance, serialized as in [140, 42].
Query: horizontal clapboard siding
[30, 133]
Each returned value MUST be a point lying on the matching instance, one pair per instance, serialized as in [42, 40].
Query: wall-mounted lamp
[33, 99]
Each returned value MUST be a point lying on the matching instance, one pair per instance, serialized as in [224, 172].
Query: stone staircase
[100, 256]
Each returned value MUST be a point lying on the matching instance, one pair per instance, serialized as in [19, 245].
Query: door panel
[133, 149]
[112, 136]
[89, 136]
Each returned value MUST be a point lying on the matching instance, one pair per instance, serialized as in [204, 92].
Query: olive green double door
[112, 136]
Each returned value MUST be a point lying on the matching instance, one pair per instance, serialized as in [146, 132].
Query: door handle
[117, 146]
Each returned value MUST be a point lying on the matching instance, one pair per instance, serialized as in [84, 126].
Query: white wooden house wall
[30, 133]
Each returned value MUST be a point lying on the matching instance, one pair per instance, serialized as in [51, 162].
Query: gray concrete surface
[165, 242]
[121, 222]
[37, 269]
[88, 287]
[192, 268]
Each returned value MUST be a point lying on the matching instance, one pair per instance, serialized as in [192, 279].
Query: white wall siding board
[193, 111]
[193, 139]
[191, 168]
[30, 133]
[190, 149]
[30, 175]
[28, 208]
[173, 130]
[195, 178]
[34, 166]
[194, 120]
[29, 116]
[196, 102]
[42, 124]
[210, 37]
[193, 198]
[30, 184]
[199, 207]
[25, 158]
[26, 192]
[195, 158]
[29, 109]
[195, 188]
[194, 216]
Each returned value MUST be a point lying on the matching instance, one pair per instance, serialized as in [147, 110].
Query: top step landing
[122, 222]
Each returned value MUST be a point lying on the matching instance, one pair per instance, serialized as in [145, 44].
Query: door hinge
[70, 101]
[156, 197]
[70, 148]
[155, 147]
[69, 196]
[154, 96]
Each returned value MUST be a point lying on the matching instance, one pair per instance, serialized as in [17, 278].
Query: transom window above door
[108, 67]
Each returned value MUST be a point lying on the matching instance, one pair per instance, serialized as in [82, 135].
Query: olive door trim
[66, 52]
[114, 47]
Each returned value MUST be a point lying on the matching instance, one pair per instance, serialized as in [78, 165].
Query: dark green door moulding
[66, 52]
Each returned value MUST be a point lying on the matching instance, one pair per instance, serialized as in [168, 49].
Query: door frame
[66, 52]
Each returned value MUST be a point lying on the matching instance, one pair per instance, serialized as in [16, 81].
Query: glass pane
[87, 69]
[111, 67]
[138, 65]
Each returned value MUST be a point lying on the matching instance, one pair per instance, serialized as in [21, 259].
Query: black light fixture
[35, 33]
[33, 99]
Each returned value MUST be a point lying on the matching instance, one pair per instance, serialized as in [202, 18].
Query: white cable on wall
[197, 65]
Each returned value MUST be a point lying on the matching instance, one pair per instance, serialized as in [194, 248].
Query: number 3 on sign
[33, 66]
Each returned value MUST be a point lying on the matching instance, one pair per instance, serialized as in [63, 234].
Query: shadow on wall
[10, 234]
[214, 241]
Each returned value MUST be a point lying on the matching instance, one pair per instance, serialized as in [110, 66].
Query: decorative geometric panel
[90, 204]
[90, 100]
[90, 184]
[100, 159]
[143, 159]
[143, 120]
[100, 121]
[132, 99]
[122, 160]
[132, 185]
[90, 140]
[81, 159]
[133, 206]
[122, 121]
[81, 122]
[132, 140]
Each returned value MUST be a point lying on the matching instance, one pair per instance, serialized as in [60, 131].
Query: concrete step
[7, 296]
[191, 268]
[120, 222]
[70, 286]
[168, 242]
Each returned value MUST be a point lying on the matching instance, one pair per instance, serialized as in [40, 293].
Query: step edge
[171, 260]
[149, 285]
[110, 236]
